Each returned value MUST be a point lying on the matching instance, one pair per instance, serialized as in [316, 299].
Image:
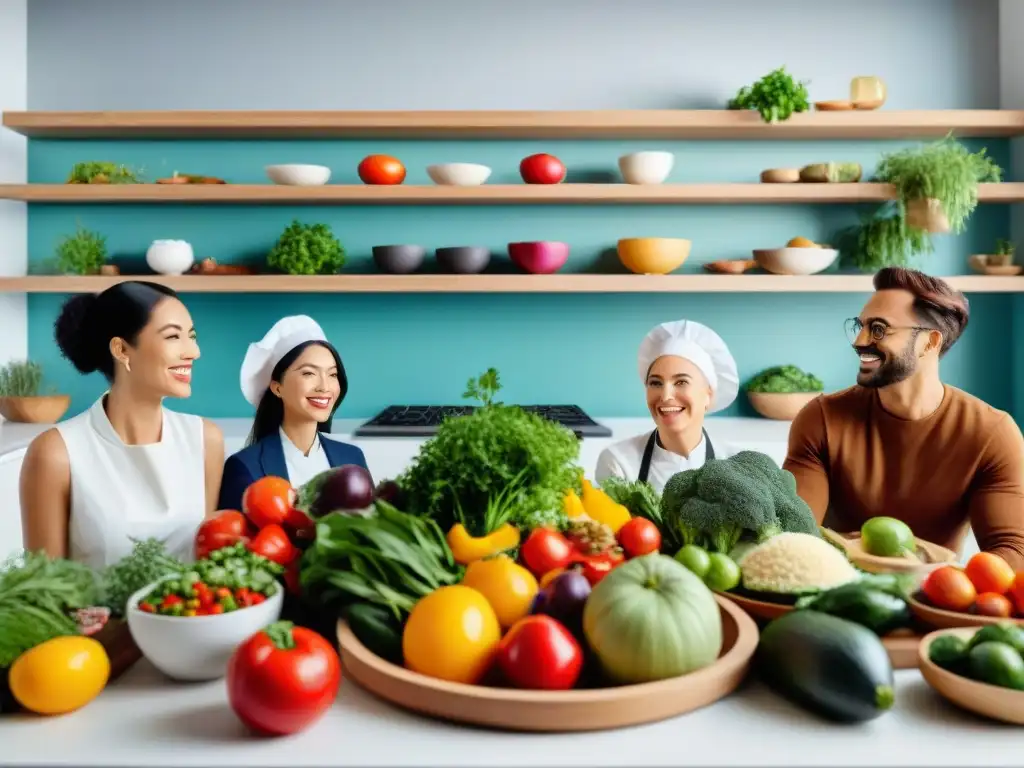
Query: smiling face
[890, 339]
[678, 394]
[310, 388]
[162, 356]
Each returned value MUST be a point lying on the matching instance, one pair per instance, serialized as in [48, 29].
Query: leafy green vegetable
[639, 497]
[784, 379]
[474, 458]
[745, 497]
[37, 597]
[307, 249]
[147, 562]
[102, 173]
[775, 96]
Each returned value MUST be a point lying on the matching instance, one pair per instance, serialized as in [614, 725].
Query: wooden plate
[939, 618]
[833, 106]
[993, 701]
[558, 711]
[927, 558]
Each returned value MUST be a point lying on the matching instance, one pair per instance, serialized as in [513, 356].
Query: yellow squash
[601, 507]
[60, 675]
[508, 587]
[468, 549]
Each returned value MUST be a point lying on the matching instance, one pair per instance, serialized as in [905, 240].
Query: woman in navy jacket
[296, 380]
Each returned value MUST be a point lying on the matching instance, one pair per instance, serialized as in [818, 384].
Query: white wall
[13, 170]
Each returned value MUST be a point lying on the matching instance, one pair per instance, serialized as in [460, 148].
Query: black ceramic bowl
[464, 259]
[398, 259]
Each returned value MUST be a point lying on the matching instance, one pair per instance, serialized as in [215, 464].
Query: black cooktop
[420, 420]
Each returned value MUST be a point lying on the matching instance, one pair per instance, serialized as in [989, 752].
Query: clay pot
[780, 406]
[927, 214]
[42, 409]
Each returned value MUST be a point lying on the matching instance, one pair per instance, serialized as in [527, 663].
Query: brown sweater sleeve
[997, 497]
[807, 457]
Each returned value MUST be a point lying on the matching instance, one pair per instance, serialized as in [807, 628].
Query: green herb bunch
[307, 249]
[475, 458]
[82, 253]
[146, 563]
[775, 96]
[784, 379]
[21, 379]
[883, 241]
[102, 173]
[638, 496]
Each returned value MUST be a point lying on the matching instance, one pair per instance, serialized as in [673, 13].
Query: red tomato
[545, 549]
[381, 169]
[542, 169]
[639, 537]
[1017, 592]
[949, 588]
[282, 679]
[538, 653]
[226, 528]
[989, 573]
[273, 543]
[992, 604]
[268, 501]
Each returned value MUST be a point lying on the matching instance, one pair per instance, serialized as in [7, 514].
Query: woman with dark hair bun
[296, 381]
[126, 468]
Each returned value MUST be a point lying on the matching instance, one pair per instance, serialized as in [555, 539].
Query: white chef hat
[265, 354]
[702, 347]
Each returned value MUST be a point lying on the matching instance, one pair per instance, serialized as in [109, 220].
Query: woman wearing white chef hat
[688, 372]
[296, 380]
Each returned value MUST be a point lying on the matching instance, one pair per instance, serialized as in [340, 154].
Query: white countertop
[143, 719]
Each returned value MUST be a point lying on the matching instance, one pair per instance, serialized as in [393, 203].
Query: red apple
[542, 169]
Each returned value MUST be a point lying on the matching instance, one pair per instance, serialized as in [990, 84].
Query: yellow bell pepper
[599, 506]
[468, 549]
[572, 505]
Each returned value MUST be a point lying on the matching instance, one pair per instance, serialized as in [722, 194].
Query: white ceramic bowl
[646, 167]
[459, 174]
[170, 257]
[795, 261]
[197, 647]
[297, 175]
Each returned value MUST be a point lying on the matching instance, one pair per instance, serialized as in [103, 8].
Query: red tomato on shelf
[988, 572]
[639, 537]
[542, 169]
[949, 588]
[228, 527]
[282, 679]
[268, 501]
[539, 653]
[381, 169]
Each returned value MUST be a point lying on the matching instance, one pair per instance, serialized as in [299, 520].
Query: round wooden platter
[992, 701]
[939, 618]
[558, 711]
[901, 644]
[927, 558]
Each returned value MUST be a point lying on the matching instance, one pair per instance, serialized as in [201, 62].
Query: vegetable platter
[978, 669]
[983, 592]
[558, 711]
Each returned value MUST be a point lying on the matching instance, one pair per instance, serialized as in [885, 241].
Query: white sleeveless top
[122, 492]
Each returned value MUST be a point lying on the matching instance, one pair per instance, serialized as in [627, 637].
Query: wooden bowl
[730, 266]
[833, 106]
[780, 406]
[927, 558]
[757, 609]
[988, 264]
[992, 701]
[43, 409]
[939, 618]
[780, 176]
[558, 711]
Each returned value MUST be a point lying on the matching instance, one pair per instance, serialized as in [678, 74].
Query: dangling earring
[127, 366]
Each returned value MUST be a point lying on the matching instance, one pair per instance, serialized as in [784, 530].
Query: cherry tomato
[273, 543]
[639, 537]
[1017, 592]
[268, 501]
[992, 604]
[545, 549]
[282, 679]
[226, 528]
[949, 588]
[538, 653]
[988, 572]
[381, 169]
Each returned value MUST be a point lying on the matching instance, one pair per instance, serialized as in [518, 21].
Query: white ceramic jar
[170, 257]
[646, 167]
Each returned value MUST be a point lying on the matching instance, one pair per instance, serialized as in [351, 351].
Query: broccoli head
[784, 378]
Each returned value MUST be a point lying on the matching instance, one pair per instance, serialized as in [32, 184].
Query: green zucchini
[830, 666]
[865, 602]
[378, 629]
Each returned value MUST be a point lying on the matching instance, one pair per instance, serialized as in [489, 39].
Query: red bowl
[542, 257]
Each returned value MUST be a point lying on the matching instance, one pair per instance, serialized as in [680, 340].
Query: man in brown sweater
[903, 444]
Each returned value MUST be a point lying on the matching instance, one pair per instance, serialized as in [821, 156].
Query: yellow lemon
[60, 675]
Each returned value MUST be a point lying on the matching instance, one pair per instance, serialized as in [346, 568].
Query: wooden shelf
[492, 283]
[526, 194]
[712, 124]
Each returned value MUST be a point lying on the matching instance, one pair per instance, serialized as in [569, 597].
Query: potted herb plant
[307, 249]
[83, 253]
[20, 398]
[998, 263]
[937, 183]
[775, 96]
[782, 391]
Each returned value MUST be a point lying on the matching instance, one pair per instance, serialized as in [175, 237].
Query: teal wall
[553, 348]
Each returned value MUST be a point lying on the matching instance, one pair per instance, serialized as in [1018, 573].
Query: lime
[694, 558]
[996, 664]
[887, 537]
[723, 574]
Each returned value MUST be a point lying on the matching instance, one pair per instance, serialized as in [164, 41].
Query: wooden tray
[928, 557]
[993, 701]
[938, 618]
[558, 711]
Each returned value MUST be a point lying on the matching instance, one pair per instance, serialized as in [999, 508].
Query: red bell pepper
[596, 567]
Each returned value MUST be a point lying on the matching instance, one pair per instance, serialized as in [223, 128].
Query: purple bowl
[542, 257]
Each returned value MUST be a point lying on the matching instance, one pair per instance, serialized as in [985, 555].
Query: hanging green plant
[775, 96]
[937, 183]
[883, 241]
[83, 253]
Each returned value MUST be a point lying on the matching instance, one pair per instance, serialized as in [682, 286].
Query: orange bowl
[653, 255]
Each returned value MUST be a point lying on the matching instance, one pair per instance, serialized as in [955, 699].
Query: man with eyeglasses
[902, 443]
